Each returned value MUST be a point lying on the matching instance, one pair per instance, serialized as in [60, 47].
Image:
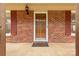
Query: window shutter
[67, 22]
[13, 22]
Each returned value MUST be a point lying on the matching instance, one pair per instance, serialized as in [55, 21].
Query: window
[73, 23]
[8, 23]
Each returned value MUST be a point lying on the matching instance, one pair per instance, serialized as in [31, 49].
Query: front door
[40, 26]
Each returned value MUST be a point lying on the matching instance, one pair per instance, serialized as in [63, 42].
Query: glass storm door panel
[40, 27]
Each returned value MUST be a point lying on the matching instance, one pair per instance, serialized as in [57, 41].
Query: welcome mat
[40, 44]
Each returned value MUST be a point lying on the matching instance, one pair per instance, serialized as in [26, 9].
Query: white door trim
[46, 26]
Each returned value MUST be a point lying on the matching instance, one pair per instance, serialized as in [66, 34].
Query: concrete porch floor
[54, 49]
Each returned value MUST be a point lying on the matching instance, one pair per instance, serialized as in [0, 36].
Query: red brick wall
[24, 28]
[56, 27]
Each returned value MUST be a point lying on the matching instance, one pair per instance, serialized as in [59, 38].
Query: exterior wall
[24, 28]
[56, 27]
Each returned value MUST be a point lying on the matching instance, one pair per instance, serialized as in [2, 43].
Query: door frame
[46, 27]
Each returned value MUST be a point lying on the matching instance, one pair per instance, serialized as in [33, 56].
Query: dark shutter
[67, 22]
[13, 22]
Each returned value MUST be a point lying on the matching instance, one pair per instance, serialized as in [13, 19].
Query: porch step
[40, 44]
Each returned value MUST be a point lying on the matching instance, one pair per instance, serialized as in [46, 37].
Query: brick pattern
[56, 27]
[24, 28]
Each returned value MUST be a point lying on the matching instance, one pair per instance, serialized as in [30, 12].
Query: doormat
[40, 44]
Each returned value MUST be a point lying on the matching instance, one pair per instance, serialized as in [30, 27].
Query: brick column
[2, 30]
[77, 30]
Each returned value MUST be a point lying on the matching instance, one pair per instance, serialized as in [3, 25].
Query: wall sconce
[27, 9]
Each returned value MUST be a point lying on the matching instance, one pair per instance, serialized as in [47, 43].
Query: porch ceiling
[41, 7]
